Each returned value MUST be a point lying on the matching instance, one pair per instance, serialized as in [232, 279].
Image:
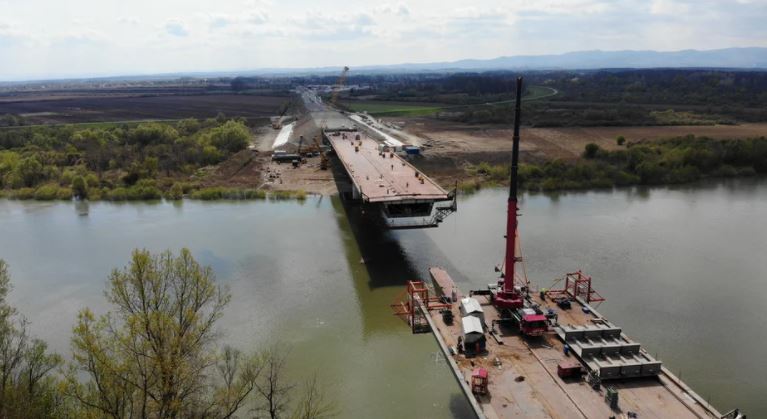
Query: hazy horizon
[89, 38]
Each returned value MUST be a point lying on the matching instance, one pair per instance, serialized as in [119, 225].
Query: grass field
[387, 108]
[390, 108]
[142, 108]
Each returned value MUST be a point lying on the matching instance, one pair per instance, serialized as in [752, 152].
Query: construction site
[516, 349]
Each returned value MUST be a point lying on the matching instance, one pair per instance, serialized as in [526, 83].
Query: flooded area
[681, 268]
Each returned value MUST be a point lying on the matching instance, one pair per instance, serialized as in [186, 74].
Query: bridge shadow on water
[380, 268]
[372, 248]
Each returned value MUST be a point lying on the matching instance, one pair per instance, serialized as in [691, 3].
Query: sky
[83, 38]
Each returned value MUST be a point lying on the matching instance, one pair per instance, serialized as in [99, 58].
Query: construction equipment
[414, 304]
[479, 381]
[506, 297]
[577, 285]
[338, 86]
[323, 157]
[277, 120]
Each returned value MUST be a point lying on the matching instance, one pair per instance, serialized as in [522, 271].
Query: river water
[683, 270]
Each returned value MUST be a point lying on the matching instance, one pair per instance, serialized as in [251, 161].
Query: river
[682, 269]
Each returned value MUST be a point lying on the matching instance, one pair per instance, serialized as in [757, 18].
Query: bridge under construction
[405, 197]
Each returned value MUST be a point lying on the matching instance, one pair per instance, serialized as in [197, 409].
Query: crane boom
[339, 84]
[509, 297]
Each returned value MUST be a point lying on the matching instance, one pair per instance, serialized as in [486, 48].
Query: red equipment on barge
[507, 297]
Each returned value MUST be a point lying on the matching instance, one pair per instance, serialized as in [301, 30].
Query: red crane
[508, 297]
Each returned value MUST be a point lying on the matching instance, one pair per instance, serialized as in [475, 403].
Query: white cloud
[176, 28]
[669, 7]
[257, 17]
[128, 20]
[398, 9]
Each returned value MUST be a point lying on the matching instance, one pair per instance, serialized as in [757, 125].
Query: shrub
[176, 192]
[145, 189]
[620, 140]
[47, 192]
[118, 194]
[233, 136]
[24, 193]
[80, 187]
[65, 194]
[590, 151]
[215, 193]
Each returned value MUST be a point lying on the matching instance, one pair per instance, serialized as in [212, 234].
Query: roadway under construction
[380, 177]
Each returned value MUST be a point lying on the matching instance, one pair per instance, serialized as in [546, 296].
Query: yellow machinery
[323, 157]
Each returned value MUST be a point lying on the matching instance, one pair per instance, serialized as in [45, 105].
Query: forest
[119, 161]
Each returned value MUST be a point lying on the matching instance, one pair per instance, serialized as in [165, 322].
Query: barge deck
[523, 379]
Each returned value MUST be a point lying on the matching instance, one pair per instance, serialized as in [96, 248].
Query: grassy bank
[679, 160]
[53, 192]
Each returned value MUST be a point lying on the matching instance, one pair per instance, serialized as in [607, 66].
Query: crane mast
[508, 297]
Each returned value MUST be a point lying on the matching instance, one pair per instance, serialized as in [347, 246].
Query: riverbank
[55, 193]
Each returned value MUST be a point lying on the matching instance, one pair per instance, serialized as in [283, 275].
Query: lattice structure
[410, 305]
[577, 284]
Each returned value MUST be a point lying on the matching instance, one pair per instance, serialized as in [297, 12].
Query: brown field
[58, 110]
[455, 139]
[450, 146]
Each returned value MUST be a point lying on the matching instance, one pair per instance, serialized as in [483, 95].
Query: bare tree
[273, 391]
[314, 404]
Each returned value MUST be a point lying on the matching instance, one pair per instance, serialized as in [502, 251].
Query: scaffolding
[414, 304]
[577, 285]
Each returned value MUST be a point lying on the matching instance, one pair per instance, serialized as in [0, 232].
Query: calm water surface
[683, 270]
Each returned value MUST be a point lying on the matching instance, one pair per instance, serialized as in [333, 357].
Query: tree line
[155, 354]
[678, 160]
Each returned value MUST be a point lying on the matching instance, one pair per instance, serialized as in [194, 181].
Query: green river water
[683, 270]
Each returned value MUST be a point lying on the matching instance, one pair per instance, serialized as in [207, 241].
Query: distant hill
[754, 58]
[743, 58]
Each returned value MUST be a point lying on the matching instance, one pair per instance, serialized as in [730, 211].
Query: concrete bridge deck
[379, 176]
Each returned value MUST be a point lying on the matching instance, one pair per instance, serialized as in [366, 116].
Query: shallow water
[682, 269]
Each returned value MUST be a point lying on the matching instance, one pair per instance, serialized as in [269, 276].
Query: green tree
[30, 170]
[79, 187]
[176, 192]
[153, 133]
[620, 140]
[153, 356]
[233, 136]
[27, 388]
[591, 150]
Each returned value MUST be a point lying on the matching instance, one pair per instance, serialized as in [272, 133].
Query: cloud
[128, 20]
[176, 28]
[332, 27]
[81, 36]
[257, 17]
[669, 7]
[219, 21]
[399, 9]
